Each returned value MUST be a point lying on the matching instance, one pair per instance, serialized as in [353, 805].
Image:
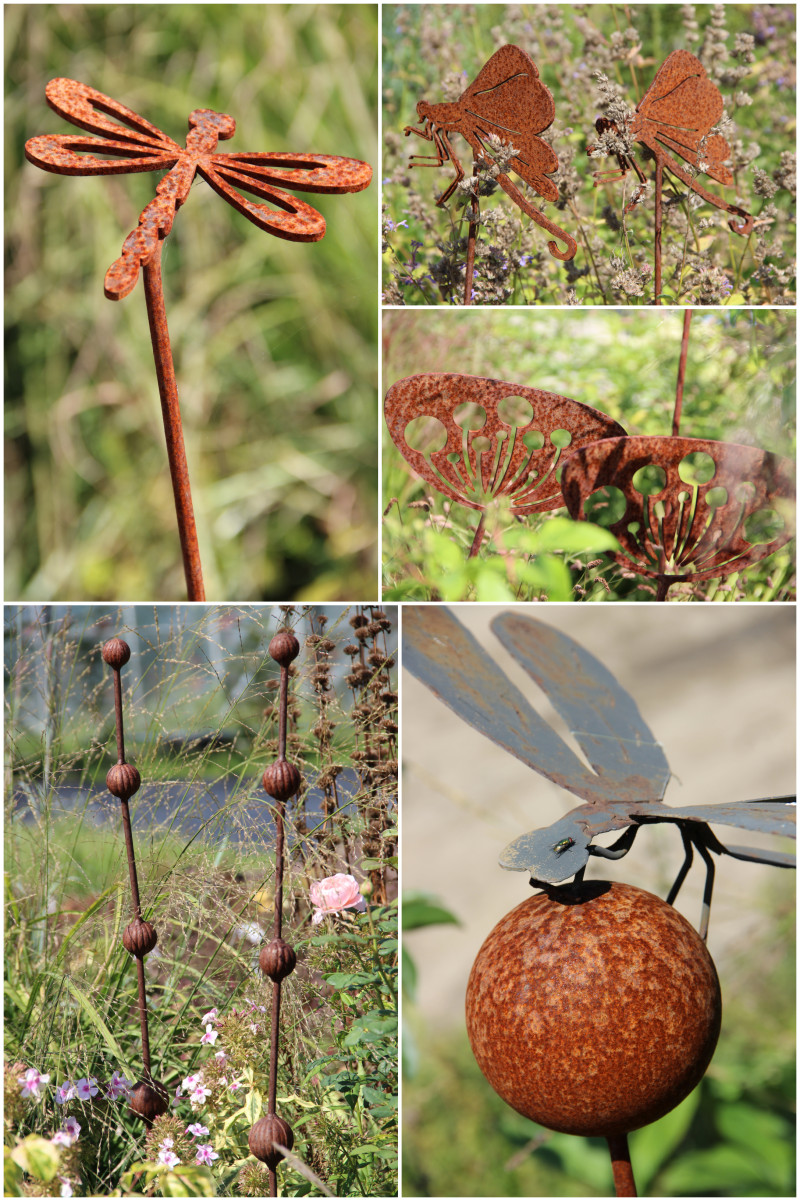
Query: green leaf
[652, 1146]
[99, 1025]
[252, 1106]
[37, 1156]
[12, 1175]
[188, 1182]
[409, 975]
[420, 910]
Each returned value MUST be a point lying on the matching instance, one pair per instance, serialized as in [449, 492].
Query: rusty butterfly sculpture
[676, 114]
[509, 100]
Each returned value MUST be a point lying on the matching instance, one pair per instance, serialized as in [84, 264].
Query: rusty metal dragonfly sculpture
[135, 145]
[509, 100]
[676, 114]
[623, 788]
[143, 147]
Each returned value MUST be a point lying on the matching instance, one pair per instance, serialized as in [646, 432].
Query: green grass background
[274, 341]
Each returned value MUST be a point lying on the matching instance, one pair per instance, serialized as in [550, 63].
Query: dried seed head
[277, 960]
[149, 1100]
[123, 780]
[116, 653]
[265, 1134]
[282, 780]
[139, 938]
[284, 647]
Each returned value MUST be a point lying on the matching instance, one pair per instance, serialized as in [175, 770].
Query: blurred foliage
[733, 1136]
[740, 387]
[274, 341]
[432, 52]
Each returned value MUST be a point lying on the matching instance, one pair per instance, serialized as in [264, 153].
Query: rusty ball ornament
[281, 780]
[284, 647]
[277, 960]
[139, 938]
[116, 653]
[149, 1099]
[593, 1009]
[123, 780]
[264, 1135]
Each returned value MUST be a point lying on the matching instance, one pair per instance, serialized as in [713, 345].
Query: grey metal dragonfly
[629, 775]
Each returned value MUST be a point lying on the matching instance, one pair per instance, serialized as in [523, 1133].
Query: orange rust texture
[692, 540]
[504, 467]
[594, 1010]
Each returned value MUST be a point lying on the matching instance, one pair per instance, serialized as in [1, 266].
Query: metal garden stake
[150, 1097]
[676, 113]
[136, 145]
[622, 788]
[508, 100]
[277, 959]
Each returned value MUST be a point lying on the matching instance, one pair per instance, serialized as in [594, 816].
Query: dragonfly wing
[84, 106]
[447, 659]
[508, 95]
[775, 815]
[291, 218]
[771, 858]
[300, 172]
[602, 716]
[62, 154]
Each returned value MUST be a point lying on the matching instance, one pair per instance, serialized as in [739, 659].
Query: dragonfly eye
[564, 845]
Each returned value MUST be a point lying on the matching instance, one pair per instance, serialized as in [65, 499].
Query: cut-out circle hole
[425, 434]
[605, 507]
[649, 480]
[697, 467]
[481, 444]
[763, 526]
[469, 416]
[515, 410]
[533, 440]
[716, 497]
[561, 439]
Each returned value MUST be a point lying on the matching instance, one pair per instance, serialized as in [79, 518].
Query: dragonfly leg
[705, 912]
[618, 848]
[687, 863]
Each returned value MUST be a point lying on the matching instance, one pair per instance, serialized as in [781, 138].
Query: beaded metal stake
[277, 959]
[150, 1098]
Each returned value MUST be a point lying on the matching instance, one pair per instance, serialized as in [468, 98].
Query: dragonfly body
[136, 145]
[628, 773]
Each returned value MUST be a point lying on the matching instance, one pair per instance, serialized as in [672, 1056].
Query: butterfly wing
[679, 108]
[602, 716]
[508, 99]
[441, 653]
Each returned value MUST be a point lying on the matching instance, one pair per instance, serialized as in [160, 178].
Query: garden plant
[202, 704]
[597, 62]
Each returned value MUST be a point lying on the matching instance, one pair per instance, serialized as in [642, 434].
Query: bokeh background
[274, 341]
[717, 687]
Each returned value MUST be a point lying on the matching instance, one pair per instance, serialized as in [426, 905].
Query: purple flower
[205, 1153]
[118, 1086]
[64, 1092]
[72, 1127]
[169, 1158]
[196, 1129]
[32, 1081]
[210, 1035]
[62, 1139]
[86, 1088]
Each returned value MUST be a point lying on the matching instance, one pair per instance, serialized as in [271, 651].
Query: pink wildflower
[334, 894]
[118, 1086]
[210, 1035]
[62, 1139]
[168, 1158]
[205, 1153]
[196, 1129]
[66, 1187]
[211, 1016]
[64, 1092]
[72, 1126]
[32, 1081]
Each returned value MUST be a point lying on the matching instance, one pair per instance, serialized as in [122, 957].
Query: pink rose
[335, 893]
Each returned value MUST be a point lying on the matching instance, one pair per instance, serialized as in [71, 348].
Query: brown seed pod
[277, 960]
[284, 647]
[265, 1134]
[139, 938]
[593, 1009]
[281, 780]
[150, 1099]
[116, 653]
[123, 780]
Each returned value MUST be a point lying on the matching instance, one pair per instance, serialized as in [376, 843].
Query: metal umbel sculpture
[675, 117]
[492, 457]
[132, 144]
[628, 774]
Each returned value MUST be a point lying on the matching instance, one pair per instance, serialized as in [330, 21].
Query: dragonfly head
[551, 855]
[219, 123]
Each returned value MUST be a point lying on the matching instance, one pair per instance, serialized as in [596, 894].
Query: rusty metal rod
[624, 1183]
[471, 237]
[658, 220]
[676, 416]
[478, 538]
[173, 428]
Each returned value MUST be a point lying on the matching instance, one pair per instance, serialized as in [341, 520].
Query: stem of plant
[676, 417]
[173, 428]
[624, 1183]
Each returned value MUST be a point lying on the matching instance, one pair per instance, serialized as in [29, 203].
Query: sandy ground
[716, 684]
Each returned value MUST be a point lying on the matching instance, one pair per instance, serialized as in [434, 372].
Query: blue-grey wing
[775, 815]
[441, 653]
[602, 716]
